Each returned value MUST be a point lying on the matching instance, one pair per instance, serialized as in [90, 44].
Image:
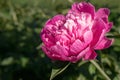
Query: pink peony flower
[78, 34]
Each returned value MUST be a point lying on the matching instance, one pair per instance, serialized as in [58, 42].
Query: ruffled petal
[104, 43]
[83, 7]
[51, 29]
[76, 47]
[46, 51]
[103, 14]
[98, 31]
[90, 55]
[82, 53]
[59, 52]
[56, 18]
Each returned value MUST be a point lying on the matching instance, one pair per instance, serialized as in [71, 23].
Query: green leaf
[24, 61]
[117, 77]
[58, 67]
[7, 61]
[92, 69]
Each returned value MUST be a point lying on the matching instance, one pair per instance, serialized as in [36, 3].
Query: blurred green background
[20, 55]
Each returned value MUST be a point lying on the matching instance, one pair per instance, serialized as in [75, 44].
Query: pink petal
[82, 53]
[91, 54]
[47, 52]
[47, 38]
[73, 59]
[88, 36]
[55, 19]
[103, 14]
[98, 31]
[58, 53]
[79, 56]
[104, 43]
[76, 47]
[83, 7]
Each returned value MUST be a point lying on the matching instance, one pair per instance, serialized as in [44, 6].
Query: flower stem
[59, 71]
[100, 70]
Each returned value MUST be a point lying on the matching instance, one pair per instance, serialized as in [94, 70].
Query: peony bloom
[78, 34]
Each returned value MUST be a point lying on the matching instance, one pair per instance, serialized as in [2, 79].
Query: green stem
[60, 71]
[100, 70]
[81, 63]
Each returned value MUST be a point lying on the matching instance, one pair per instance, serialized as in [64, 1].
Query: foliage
[20, 55]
